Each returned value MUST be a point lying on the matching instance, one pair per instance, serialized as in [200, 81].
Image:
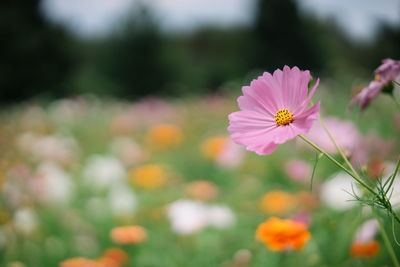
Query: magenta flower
[273, 110]
[384, 75]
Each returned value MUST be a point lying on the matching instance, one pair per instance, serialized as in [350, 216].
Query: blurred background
[114, 149]
[133, 48]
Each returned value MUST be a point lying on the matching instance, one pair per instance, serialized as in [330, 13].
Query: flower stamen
[283, 117]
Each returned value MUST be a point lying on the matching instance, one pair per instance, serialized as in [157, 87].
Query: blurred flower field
[91, 182]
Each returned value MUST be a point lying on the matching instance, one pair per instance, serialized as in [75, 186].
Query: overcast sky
[97, 17]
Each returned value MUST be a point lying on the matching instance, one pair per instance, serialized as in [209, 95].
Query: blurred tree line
[41, 59]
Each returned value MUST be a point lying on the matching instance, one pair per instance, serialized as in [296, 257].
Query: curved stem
[339, 165]
[395, 216]
[393, 177]
[339, 149]
[386, 240]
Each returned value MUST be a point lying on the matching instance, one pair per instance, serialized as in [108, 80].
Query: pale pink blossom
[273, 110]
[231, 156]
[298, 170]
[344, 132]
[367, 231]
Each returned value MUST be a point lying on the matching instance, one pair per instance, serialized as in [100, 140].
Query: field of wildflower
[162, 182]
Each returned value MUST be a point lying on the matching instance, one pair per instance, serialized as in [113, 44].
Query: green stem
[386, 241]
[339, 149]
[395, 216]
[340, 165]
[394, 176]
[356, 175]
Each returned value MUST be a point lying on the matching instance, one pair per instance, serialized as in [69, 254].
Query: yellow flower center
[377, 78]
[283, 117]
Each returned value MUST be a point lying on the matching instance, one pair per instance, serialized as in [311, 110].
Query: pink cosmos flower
[273, 110]
[384, 75]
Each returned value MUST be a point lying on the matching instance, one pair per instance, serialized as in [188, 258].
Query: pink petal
[249, 103]
[274, 82]
[253, 138]
[303, 106]
[263, 149]
[303, 121]
[262, 93]
[248, 121]
[294, 87]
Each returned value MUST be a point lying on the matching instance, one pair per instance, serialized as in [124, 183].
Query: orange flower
[277, 202]
[213, 147]
[117, 255]
[164, 136]
[80, 262]
[128, 235]
[107, 262]
[364, 250]
[149, 176]
[279, 235]
[202, 190]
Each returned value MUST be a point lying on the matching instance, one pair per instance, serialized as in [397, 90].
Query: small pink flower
[231, 156]
[273, 110]
[367, 94]
[298, 170]
[384, 75]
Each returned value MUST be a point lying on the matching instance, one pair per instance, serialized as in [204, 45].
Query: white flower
[52, 184]
[189, 216]
[122, 200]
[220, 216]
[25, 220]
[102, 171]
[337, 191]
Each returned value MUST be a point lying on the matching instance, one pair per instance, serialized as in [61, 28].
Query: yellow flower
[213, 147]
[164, 136]
[149, 176]
[128, 235]
[279, 235]
[277, 202]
